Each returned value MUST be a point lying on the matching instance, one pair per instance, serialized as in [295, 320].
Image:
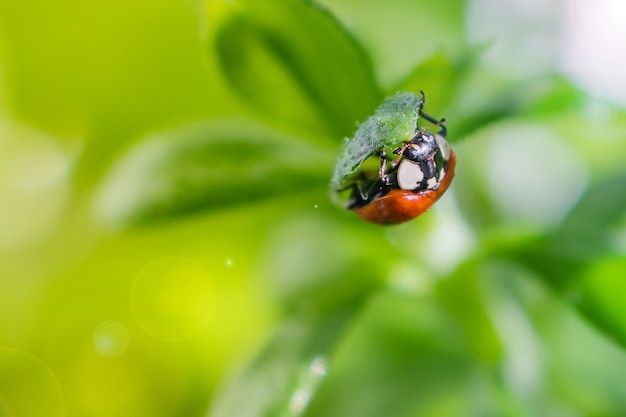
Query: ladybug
[385, 189]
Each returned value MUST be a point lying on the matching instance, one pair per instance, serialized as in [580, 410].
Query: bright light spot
[593, 50]
[318, 367]
[33, 186]
[28, 388]
[315, 206]
[533, 174]
[111, 339]
[299, 401]
[229, 262]
[308, 382]
[173, 298]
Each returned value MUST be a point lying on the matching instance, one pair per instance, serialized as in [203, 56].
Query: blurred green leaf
[285, 376]
[301, 282]
[402, 355]
[483, 99]
[401, 34]
[294, 63]
[586, 233]
[438, 78]
[553, 95]
[545, 362]
[461, 294]
[600, 294]
[583, 238]
[320, 303]
[567, 258]
[207, 165]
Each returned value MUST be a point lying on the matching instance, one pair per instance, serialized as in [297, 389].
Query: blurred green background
[168, 245]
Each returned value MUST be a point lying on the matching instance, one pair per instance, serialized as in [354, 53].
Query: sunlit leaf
[207, 165]
[293, 63]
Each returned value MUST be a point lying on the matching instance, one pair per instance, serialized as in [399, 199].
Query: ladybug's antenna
[444, 131]
[436, 122]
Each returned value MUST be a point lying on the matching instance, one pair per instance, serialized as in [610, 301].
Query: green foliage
[265, 50]
[207, 166]
[201, 165]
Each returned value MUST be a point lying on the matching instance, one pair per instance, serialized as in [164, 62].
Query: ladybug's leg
[358, 196]
[400, 153]
[423, 100]
[400, 150]
[382, 172]
[361, 197]
[364, 194]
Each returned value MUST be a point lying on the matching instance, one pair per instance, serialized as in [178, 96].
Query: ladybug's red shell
[401, 205]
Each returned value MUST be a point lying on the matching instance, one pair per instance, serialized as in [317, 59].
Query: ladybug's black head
[424, 164]
[421, 147]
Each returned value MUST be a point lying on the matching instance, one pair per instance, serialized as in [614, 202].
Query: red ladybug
[400, 205]
[413, 181]
[422, 173]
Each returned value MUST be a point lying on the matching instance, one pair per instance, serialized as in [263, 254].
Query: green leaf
[438, 78]
[320, 301]
[583, 238]
[554, 95]
[207, 165]
[299, 281]
[401, 34]
[294, 63]
[280, 381]
[575, 259]
[286, 375]
[401, 356]
[600, 294]
[461, 294]
[484, 98]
